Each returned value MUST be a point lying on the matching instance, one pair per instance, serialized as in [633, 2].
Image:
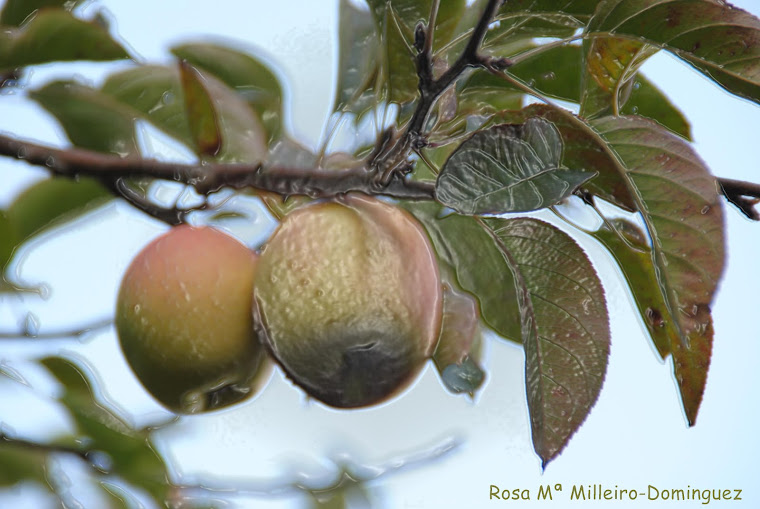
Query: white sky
[636, 434]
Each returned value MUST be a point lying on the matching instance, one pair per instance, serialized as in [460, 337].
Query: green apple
[347, 297]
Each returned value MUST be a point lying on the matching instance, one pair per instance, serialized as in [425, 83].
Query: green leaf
[646, 100]
[8, 240]
[580, 10]
[91, 120]
[611, 64]
[483, 93]
[548, 296]
[19, 464]
[629, 246]
[583, 149]
[523, 20]
[480, 94]
[15, 12]
[130, 452]
[395, 22]
[52, 202]
[54, 35]
[358, 60]
[557, 72]
[481, 268]
[243, 137]
[682, 210]
[457, 353]
[508, 168]
[566, 359]
[553, 72]
[630, 249]
[248, 76]
[155, 94]
[719, 40]
[200, 112]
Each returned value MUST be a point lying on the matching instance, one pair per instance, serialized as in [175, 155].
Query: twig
[48, 448]
[393, 160]
[745, 195]
[67, 333]
[172, 216]
[207, 179]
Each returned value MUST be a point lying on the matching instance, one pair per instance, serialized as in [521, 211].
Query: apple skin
[183, 317]
[348, 299]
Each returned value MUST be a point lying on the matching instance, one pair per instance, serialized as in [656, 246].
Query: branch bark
[745, 195]
[207, 179]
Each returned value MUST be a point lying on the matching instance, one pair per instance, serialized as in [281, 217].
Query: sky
[635, 436]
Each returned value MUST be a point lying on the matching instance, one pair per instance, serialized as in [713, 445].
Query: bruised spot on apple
[348, 299]
[184, 320]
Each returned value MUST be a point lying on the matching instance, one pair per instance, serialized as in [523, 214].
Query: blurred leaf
[226, 215]
[118, 498]
[8, 240]
[54, 35]
[248, 76]
[335, 499]
[200, 112]
[243, 137]
[566, 360]
[19, 463]
[347, 492]
[583, 149]
[611, 64]
[128, 451]
[91, 120]
[716, 38]
[396, 21]
[15, 12]
[52, 202]
[456, 356]
[358, 60]
[508, 168]
[682, 210]
[480, 266]
[153, 93]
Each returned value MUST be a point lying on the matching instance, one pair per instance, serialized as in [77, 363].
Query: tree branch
[745, 195]
[172, 216]
[392, 161]
[207, 179]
